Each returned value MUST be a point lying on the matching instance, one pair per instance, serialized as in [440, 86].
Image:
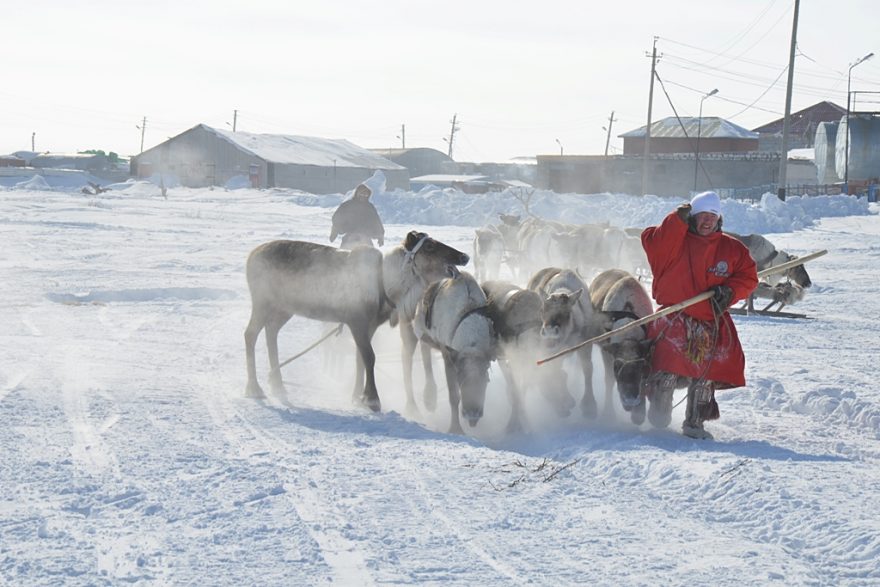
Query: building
[420, 160]
[802, 127]
[674, 135]
[205, 156]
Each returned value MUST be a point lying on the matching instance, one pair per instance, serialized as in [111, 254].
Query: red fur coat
[685, 264]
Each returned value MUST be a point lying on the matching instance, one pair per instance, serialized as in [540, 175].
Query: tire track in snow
[11, 385]
[88, 449]
[469, 541]
[346, 560]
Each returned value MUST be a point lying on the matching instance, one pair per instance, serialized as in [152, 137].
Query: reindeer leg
[273, 326]
[430, 393]
[515, 425]
[454, 395]
[255, 325]
[408, 340]
[588, 402]
[608, 408]
[362, 336]
[359, 370]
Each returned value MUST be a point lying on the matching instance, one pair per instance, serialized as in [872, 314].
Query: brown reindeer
[568, 318]
[620, 299]
[516, 315]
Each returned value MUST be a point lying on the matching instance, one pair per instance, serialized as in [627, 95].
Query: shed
[803, 125]
[674, 135]
[420, 160]
[204, 156]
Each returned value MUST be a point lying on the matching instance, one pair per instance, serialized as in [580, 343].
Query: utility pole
[234, 119]
[786, 122]
[33, 134]
[452, 134]
[403, 136]
[143, 128]
[608, 138]
[648, 127]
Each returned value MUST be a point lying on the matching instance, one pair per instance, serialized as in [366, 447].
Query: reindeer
[408, 269]
[620, 299]
[488, 252]
[766, 255]
[567, 318]
[288, 278]
[516, 316]
[509, 228]
[451, 317]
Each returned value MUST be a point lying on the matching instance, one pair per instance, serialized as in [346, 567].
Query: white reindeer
[451, 317]
[408, 269]
[288, 278]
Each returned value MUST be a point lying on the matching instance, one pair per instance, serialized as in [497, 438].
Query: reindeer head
[798, 274]
[431, 258]
[629, 366]
[472, 374]
[557, 316]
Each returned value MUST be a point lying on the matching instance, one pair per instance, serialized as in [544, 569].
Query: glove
[721, 299]
[684, 212]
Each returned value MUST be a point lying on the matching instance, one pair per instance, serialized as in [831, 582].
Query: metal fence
[755, 193]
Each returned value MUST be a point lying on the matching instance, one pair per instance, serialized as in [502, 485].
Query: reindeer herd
[566, 284]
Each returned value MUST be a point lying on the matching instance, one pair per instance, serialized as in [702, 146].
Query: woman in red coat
[697, 347]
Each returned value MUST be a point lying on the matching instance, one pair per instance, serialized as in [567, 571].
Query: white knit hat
[706, 202]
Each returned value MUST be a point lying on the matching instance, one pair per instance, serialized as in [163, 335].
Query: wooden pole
[679, 306]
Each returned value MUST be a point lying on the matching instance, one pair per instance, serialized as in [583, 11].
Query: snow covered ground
[130, 455]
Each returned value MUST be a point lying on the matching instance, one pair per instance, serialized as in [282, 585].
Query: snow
[132, 456]
[301, 150]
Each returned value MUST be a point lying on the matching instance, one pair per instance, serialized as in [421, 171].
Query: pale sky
[524, 78]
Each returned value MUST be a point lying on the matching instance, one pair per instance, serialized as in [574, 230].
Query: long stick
[335, 330]
[650, 318]
[680, 306]
[789, 264]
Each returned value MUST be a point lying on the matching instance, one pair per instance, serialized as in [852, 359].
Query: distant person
[697, 347]
[357, 221]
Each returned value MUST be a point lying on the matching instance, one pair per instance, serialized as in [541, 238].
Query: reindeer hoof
[589, 409]
[637, 414]
[372, 403]
[430, 395]
[254, 391]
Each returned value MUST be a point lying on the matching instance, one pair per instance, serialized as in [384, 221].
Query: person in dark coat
[357, 221]
[697, 347]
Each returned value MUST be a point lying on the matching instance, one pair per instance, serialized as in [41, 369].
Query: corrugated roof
[711, 127]
[806, 119]
[300, 150]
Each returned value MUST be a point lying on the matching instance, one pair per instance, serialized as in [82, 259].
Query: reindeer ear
[412, 238]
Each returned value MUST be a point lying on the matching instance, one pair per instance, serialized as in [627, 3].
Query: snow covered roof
[805, 154]
[447, 178]
[711, 127]
[301, 150]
